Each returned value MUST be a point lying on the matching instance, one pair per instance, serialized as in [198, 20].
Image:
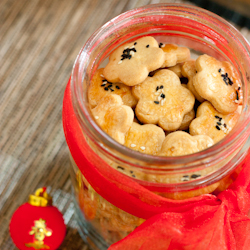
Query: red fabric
[204, 222]
[214, 227]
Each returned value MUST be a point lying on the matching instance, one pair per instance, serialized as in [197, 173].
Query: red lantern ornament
[37, 224]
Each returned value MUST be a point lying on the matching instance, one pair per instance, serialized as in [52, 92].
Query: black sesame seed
[111, 90]
[237, 95]
[110, 85]
[147, 46]
[185, 180]
[162, 95]
[239, 88]
[185, 176]
[230, 82]
[220, 119]
[157, 88]
[160, 45]
[103, 85]
[119, 167]
[161, 87]
[117, 87]
[106, 88]
[133, 175]
[219, 70]
[225, 125]
[131, 171]
[217, 117]
[217, 127]
[219, 123]
[135, 43]
[156, 102]
[194, 176]
[126, 53]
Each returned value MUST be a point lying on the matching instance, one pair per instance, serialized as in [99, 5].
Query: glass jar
[116, 188]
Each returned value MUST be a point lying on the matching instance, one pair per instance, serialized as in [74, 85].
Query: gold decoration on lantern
[40, 231]
[41, 198]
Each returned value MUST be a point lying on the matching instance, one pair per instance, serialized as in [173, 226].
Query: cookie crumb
[185, 178]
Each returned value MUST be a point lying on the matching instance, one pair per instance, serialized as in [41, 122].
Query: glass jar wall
[115, 186]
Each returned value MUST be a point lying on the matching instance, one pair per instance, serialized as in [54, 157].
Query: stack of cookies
[155, 99]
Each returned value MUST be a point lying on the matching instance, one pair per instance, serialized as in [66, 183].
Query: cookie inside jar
[179, 102]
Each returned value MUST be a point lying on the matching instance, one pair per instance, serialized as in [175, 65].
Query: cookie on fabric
[146, 138]
[113, 117]
[163, 100]
[218, 83]
[99, 87]
[181, 143]
[210, 122]
[188, 70]
[174, 54]
[132, 62]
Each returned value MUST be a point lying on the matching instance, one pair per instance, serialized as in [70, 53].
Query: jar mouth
[83, 70]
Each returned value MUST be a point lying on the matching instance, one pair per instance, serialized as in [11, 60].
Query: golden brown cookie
[218, 83]
[113, 117]
[174, 54]
[132, 62]
[210, 122]
[99, 87]
[187, 119]
[146, 138]
[181, 143]
[163, 100]
[177, 69]
[188, 70]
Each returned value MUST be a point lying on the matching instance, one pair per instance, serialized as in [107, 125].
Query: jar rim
[101, 138]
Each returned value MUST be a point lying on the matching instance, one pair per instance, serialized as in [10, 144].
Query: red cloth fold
[202, 227]
[200, 223]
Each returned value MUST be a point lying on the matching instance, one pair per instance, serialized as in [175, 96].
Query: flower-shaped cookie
[163, 100]
[174, 54]
[181, 143]
[99, 87]
[188, 70]
[218, 83]
[113, 117]
[187, 119]
[210, 122]
[146, 138]
[177, 69]
[132, 62]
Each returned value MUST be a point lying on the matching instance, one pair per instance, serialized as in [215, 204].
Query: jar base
[87, 231]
